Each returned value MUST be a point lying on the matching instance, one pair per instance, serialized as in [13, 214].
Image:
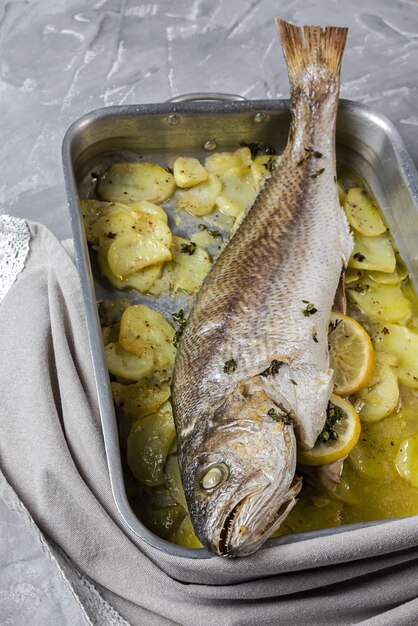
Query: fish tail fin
[311, 46]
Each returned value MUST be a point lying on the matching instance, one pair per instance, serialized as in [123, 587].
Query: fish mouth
[237, 538]
[225, 533]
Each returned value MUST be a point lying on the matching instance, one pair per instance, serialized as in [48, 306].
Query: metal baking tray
[366, 142]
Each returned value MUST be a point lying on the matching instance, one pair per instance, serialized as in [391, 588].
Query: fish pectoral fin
[312, 392]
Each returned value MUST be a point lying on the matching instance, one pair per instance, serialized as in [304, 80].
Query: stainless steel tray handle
[210, 95]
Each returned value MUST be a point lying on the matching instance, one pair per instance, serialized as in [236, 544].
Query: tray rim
[106, 408]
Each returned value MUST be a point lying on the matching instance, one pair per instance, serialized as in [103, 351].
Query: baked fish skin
[251, 376]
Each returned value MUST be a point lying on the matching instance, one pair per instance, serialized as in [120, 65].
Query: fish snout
[246, 525]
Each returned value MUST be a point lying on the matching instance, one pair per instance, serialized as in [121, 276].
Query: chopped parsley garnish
[293, 381]
[309, 309]
[270, 165]
[181, 321]
[188, 248]
[333, 325]
[360, 257]
[213, 233]
[314, 153]
[273, 368]
[315, 335]
[286, 418]
[317, 173]
[230, 366]
[334, 415]
[359, 288]
[258, 148]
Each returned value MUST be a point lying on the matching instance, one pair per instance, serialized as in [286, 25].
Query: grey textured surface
[62, 59]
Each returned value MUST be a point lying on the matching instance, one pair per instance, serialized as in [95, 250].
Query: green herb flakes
[309, 309]
[188, 248]
[273, 368]
[230, 366]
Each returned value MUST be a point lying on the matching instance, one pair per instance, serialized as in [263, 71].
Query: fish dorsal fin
[311, 46]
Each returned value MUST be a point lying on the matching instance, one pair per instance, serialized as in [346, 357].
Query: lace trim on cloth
[94, 610]
[14, 247]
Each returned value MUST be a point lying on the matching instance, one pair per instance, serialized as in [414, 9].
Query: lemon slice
[351, 354]
[343, 429]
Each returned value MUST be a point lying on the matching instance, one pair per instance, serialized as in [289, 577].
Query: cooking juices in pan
[164, 262]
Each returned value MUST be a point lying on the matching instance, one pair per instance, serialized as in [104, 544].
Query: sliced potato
[189, 172]
[188, 270]
[200, 199]
[207, 238]
[352, 275]
[406, 461]
[148, 444]
[380, 302]
[144, 331]
[220, 162]
[141, 281]
[363, 213]
[145, 206]
[132, 182]
[163, 282]
[238, 191]
[262, 168]
[381, 396]
[373, 253]
[403, 344]
[395, 278]
[185, 536]
[141, 398]
[127, 365]
[133, 252]
[92, 210]
[173, 480]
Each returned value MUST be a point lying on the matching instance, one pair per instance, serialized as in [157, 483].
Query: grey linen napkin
[52, 456]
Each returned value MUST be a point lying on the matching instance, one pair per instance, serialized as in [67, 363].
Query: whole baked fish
[252, 378]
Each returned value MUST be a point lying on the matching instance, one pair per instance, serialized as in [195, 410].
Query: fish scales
[288, 253]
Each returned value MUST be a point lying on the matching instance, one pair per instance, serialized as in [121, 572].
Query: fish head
[240, 480]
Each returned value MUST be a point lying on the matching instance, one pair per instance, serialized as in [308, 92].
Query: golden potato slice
[406, 460]
[220, 162]
[402, 343]
[363, 213]
[92, 210]
[200, 199]
[380, 302]
[190, 265]
[149, 207]
[163, 282]
[115, 224]
[352, 275]
[188, 172]
[184, 535]
[132, 182]
[141, 398]
[373, 253]
[142, 280]
[238, 191]
[145, 331]
[148, 444]
[173, 480]
[262, 168]
[381, 396]
[395, 278]
[127, 365]
[132, 252]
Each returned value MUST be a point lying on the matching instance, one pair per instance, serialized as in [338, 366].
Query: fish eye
[214, 477]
